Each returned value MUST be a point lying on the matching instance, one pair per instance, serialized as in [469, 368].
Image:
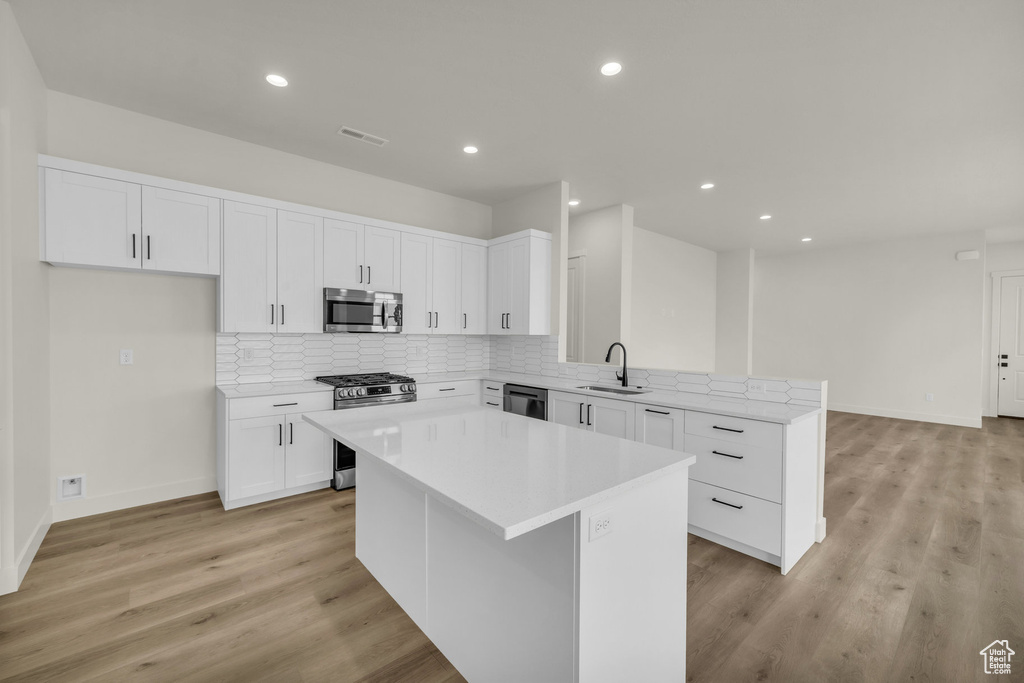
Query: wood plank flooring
[922, 567]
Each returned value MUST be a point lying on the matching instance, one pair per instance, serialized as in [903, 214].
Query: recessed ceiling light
[279, 81]
[470, 149]
[611, 68]
[806, 239]
[574, 202]
[766, 217]
[707, 186]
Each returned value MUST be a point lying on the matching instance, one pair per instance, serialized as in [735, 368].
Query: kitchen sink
[615, 390]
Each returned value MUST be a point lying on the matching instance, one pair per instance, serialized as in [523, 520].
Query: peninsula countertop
[510, 474]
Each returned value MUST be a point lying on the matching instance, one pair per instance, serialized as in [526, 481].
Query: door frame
[581, 288]
[997, 295]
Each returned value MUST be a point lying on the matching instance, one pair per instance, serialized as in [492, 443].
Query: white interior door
[575, 298]
[1011, 347]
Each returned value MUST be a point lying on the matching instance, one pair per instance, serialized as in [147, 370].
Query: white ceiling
[847, 121]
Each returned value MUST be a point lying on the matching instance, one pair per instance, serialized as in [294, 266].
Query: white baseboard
[955, 420]
[11, 577]
[819, 530]
[95, 505]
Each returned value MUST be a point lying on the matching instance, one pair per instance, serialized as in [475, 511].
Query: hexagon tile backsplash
[305, 356]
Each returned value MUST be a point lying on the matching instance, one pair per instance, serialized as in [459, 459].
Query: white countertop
[766, 411]
[273, 388]
[511, 474]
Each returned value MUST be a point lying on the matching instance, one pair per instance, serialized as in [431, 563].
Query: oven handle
[384, 315]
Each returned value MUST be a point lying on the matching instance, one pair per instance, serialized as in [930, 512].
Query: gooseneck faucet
[608, 359]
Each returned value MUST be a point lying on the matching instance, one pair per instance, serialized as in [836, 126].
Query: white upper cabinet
[519, 291]
[473, 287]
[94, 221]
[181, 231]
[248, 281]
[431, 285]
[299, 274]
[361, 256]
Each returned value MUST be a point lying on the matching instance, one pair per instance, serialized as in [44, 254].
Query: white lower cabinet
[466, 389]
[492, 395]
[600, 415]
[266, 452]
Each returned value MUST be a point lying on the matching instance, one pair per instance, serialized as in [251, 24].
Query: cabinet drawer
[492, 389]
[491, 402]
[425, 392]
[756, 522]
[261, 406]
[740, 467]
[735, 429]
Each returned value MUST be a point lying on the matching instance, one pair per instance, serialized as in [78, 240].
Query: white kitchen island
[486, 528]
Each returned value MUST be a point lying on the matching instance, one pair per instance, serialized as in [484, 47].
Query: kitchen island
[525, 550]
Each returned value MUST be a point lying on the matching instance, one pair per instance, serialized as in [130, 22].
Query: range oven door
[353, 310]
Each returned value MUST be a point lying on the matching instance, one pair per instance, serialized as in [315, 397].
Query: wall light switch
[127, 357]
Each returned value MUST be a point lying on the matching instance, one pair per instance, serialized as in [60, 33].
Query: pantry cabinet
[359, 256]
[94, 221]
[519, 284]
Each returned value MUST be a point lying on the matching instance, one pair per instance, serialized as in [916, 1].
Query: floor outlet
[600, 525]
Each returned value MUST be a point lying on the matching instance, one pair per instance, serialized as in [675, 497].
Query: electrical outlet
[249, 354]
[127, 357]
[929, 397]
[756, 387]
[600, 525]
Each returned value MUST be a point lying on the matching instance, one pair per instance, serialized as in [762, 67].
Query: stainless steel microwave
[354, 310]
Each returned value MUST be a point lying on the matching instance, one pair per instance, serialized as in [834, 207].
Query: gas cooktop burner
[363, 380]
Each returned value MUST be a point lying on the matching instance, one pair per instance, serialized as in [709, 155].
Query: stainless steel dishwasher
[528, 401]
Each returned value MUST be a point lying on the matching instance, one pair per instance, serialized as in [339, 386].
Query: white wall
[734, 319]
[673, 304]
[999, 256]
[599, 235]
[24, 312]
[147, 434]
[884, 323]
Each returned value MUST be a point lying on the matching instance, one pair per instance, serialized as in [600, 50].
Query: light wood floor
[923, 566]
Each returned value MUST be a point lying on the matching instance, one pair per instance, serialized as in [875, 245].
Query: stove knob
[406, 388]
[350, 392]
[361, 391]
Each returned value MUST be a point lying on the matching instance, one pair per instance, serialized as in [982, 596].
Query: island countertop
[510, 474]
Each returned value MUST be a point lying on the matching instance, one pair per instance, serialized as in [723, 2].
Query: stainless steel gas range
[363, 390]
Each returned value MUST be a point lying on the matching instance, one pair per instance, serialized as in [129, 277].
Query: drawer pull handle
[722, 502]
[282, 405]
[659, 412]
[738, 457]
[448, 389]
[493, 388]
[492, 404]
[727, 429]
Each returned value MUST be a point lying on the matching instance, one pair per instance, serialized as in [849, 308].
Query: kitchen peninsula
[525, 550]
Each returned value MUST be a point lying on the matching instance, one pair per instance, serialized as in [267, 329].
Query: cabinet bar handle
[492, 404]
[272, 314]
[659, 412]
[722, 502]
[589, 406]
[369, 274]
[581, 413]
[149, 248]
[727, 429]
[282, 314]
[435, 320]
[448, 389]
[429, 319]
[133, 245]
[465, 321]
[282, 405]
[738, 457]
[360, 273]
[493, 388]
[291, 433]
[280, 434]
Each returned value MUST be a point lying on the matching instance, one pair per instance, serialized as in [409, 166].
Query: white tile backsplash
[305, 356]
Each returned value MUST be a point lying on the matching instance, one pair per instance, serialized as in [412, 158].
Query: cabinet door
[567, 409]
[383, 259]
[92, 221]
[497, 287]
[659, 426]
[180, 232]
[518, 320]
[343, 255]
[611, 417]
[255, 456]
[248, 282]
[307, 453]
[299, 278]
[473, 286]
[446, 284]
[417, 269]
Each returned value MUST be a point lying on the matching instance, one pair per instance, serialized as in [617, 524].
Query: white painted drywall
[673, 304]
[599, 235]
[24, 311]
[999, 257]
[734, 320]
[885, 323]
[101, 134]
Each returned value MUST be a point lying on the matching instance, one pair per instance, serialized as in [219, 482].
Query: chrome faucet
[608, 359]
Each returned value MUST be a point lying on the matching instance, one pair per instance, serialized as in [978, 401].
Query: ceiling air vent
[360, 135]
